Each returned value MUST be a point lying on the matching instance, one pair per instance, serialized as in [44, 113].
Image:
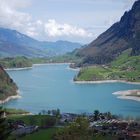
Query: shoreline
[43, 64]
[27, 68]
[39, 64]
[106, 81]
[73, 69]
[128, 95]
[26, 114]
[17, 69]
[11, 98]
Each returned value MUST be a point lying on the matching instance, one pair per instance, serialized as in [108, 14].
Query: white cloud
[12, 17]
[52, 28]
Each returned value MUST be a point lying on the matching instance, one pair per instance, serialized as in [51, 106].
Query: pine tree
[4, 131]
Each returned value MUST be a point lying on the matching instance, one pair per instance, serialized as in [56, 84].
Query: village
[98, 123]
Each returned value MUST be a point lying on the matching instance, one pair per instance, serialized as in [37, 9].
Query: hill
[7, 86]
[15, 62]
[124, 68]
[120, 36]
[13, 43]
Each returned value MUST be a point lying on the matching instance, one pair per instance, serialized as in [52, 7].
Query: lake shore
[17, 69]
[74, 69]
[43, 64]
[26, 68]
[106, 81]
[11, 98]
[128, 95]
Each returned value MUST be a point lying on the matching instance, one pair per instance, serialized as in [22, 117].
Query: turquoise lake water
[51, 86]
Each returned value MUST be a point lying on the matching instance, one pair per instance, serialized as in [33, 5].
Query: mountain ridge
[14, 43]
[120, 36]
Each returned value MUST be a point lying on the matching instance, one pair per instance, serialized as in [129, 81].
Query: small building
[25, 130]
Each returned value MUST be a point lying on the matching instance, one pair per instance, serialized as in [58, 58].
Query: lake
[51, 87]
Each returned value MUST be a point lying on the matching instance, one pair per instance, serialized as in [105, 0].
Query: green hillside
[7, 86]
[15, 62]
[125, 67]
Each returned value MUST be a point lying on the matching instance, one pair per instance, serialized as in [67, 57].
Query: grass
[14, 112]
[21, 61]
[43, 121]
[45, 134]
[125, 67]
[15, 62]
[100, 137]
[133, 95]
[92, 73]
[33, 119]
[42, 134]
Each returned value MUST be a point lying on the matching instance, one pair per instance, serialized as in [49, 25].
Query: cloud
[52, 28]
[12, 17]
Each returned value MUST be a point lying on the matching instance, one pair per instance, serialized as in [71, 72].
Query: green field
[15, 62]
[45, 134]
[48, 134]
[38, 120]
[21, 61]
[125, 67]
[14, 112]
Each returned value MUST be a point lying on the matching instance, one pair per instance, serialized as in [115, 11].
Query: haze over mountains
[119, 37]
[13, 43]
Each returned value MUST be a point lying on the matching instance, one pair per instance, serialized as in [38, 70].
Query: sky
[72, 20]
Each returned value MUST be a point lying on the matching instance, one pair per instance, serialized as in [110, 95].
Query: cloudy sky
[51, 20]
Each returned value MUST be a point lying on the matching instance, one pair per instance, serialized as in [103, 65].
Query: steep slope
[13, 43]
[119, 37]
[7, 86]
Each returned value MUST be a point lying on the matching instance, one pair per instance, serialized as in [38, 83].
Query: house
[25, 130]
[67, 118]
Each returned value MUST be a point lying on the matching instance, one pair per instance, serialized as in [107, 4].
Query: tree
[109, 115]
[4, 130]
[57, 112]
[96, 115]
[49, 112]
[78, 130]
[32, 120]
[43, 112]
[48, 121]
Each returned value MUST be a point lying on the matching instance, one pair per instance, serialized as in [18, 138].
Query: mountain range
[14, 43]
[120, 36]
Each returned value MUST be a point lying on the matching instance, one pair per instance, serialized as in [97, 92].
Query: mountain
[60, 47]
[120, 36]
[13, 43]
[124, 68]
[7, 86]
